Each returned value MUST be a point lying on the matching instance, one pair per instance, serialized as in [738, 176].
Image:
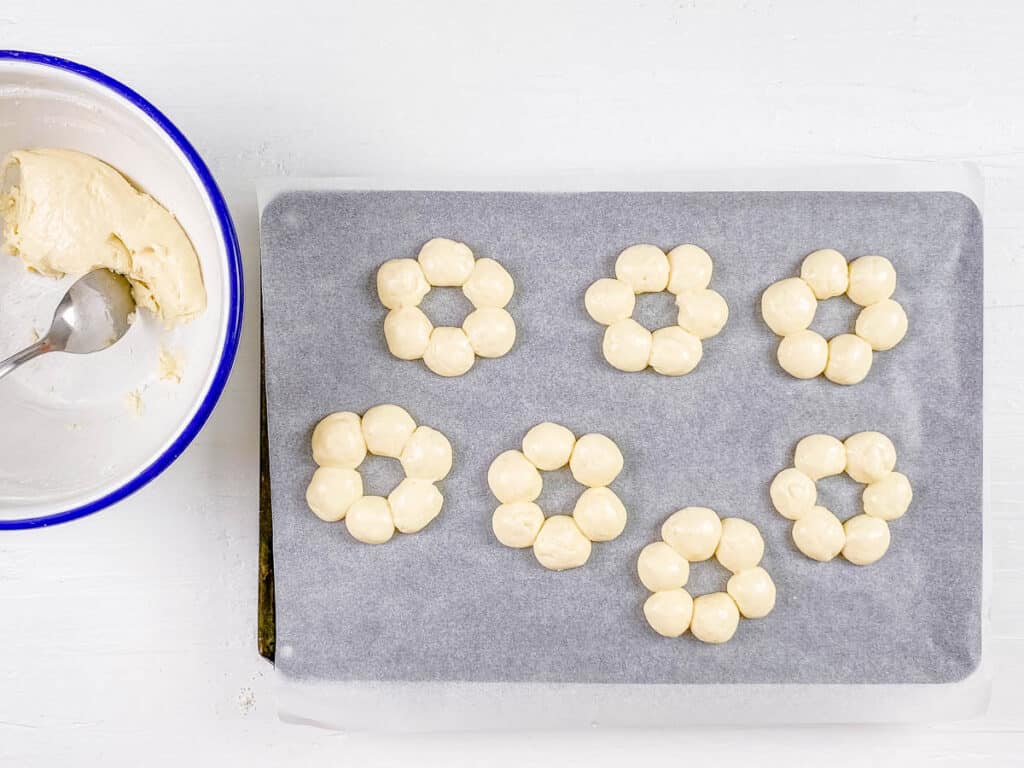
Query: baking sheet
[452, 604]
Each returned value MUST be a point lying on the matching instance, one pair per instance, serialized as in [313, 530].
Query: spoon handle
[12, 362]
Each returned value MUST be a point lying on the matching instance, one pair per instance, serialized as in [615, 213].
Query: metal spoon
[93, 314]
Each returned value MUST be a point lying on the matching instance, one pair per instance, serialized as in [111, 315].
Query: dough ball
[446, 262]
[819, 456]
[827, 272]
[600, 514]
[715, 618]
[644, 268]
[449, 352]
[414, 503]
[819, 534]
[882, 325]
[407, 332]
[753, 592]
[689, 268]
[669, 612]
[491, 331]
[427, 455]
[703, 313]
[513, 478]
[338, 441]
[867, 539]
[870, 456]
[560, 544]
[674, 352]
[387, 429]
[369, 520]
[788, 306]
[627, 345]
[693, 532]
[489, 285]
[888, 498]
[548, 446]
[332, 491]
[793, 493]
[516, 525]
[849, 359]
[803, 354]
[872, 279]
[596, 461]
[401, 283]
[609, 301]
[660, 567]
[740, 546]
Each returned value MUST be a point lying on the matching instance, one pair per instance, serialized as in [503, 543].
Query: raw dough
[427, 455]
[689, 268]
[369, 520]
[803, 354]
[600, 514]
[513, 478]
[449, 352]
[819, 534]
[849, 359]
[491, 331]
[596, 461]
[338, 441]
[643, 267]
[882, 325]
[67, 213]
[693, 532]
[888, 498]
[827, 272]
[548, 446]
[489, 285]
[669, 612]
[819, 456]
[661, 568]
[715, 618]
[702, 312]
[517, 525]
[407, 332]
[872, 279]
[870, 456]
[387, 429]
[414, 503]
[608, 301]
[332, 491]
[867, 539]
[560, 544]
[740, 546]
[793, 493]
[627, 345]
[788, 306]
[446, 263]
[753, 591]
[674, 352]
[400, 283]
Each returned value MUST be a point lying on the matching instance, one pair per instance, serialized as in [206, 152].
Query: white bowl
[71, 439]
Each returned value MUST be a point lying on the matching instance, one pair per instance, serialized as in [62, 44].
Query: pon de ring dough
[559, 542]
[488, 331]
[868, 458]
[685, 272]
[692, 535]
[789, 306]
[341, 442]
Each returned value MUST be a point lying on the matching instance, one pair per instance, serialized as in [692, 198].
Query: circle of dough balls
[674, 352]
[427, 455]
[753, 591]
[715, 618]
[513, 478]
[449, 352]
[407, 332]
[702, 312]
[793, 493]
[446, 263]
[827, 272]
[740, 546]
[596, 461]
[804, 354]
[516, 525]
[669, 612]
[491, 331]
[870, 456]
[489, 285]
[644, 268]
[693, 532]
[369, 520]
[387, 429]
[600, 514]
[338, 441]
[548, 446]
[788, 306]
[872, 279]
[888, 498]
[401, 283]
[627, 345]
[849, 359]
[819, 535]
[414, 503]
[608, 301]
[689, 268]
[560, 544]
[867, 539]
[661, 568]
[819, 456]
[332, 491]
[882, 325]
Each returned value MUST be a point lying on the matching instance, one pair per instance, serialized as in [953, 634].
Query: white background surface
[129, 638]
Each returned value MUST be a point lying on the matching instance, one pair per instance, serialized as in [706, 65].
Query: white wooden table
[129, 638]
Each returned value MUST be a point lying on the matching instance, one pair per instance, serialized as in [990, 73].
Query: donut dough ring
[559, 542]
[489, 331]
[341, 441]
[788, 308]
[674, 350]
[691, 535]
[866, 457]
